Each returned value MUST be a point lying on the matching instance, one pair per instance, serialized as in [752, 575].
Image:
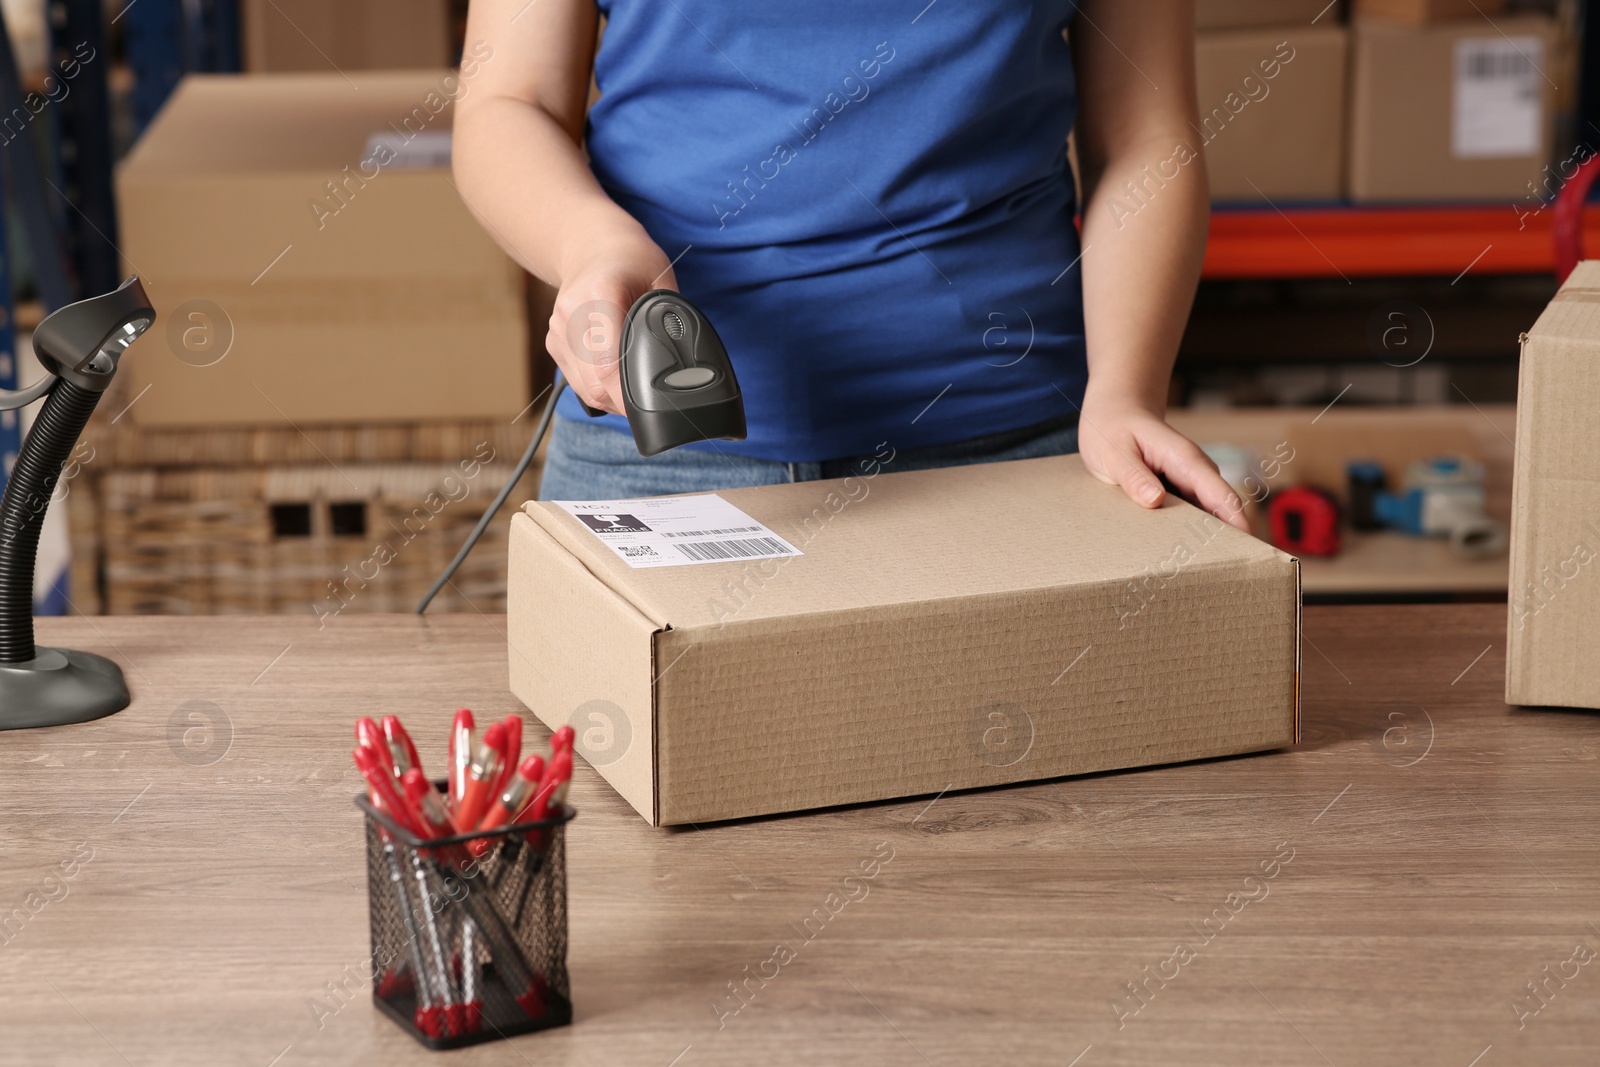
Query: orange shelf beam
[1355, 242]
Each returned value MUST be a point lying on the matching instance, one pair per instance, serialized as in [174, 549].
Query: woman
[872, 204]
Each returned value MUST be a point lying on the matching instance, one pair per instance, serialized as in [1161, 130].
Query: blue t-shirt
[870, 201]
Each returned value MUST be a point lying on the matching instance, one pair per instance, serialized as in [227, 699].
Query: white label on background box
[677, 531]
[425, 148]
[1499, 98]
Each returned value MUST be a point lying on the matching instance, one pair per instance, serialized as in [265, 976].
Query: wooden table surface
[1431, 851]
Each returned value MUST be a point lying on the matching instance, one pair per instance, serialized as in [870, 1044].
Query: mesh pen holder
[469, 948]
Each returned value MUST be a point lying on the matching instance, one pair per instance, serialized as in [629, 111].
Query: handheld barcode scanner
[678, 387]
[677, 383]
[79, 345]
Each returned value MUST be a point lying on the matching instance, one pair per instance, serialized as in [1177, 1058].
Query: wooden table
[1443, 853]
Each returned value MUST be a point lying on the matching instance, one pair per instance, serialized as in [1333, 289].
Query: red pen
[555, 780]
[482, 773]
[402, 753]
[516, 796]
[369, 736]
[427, 803]
[562, 739]
[460, 753]
[383, 790]
[430, 1016]
[513, 755]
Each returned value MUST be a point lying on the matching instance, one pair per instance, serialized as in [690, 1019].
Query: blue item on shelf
[1400, 511]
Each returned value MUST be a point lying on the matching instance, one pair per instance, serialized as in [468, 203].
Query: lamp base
[60, 686]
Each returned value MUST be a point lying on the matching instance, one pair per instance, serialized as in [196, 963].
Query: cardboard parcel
[797, 646]
[1553, 609]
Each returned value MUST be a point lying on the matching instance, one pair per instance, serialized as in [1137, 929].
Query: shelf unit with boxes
[1394, 172]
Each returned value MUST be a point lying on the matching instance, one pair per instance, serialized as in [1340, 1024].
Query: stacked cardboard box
[1428, 12]
[1417, 100]
[336, 336]
[311, 259]
[1448, 108]
[345, 35]
[1272, 110]
[1251, 14]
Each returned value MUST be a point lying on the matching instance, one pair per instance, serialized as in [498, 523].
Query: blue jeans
[588, 461]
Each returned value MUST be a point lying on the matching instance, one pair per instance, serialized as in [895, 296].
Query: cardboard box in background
[1554, 601]
[256, 207]
[1461, 111]
[1425, 12]
[326, 36]
[944, 629]
[1272, 106]
[1242, 14]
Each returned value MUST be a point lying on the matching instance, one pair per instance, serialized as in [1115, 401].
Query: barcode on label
[1495, 63]
[737, 549]
[1498, 106]
[713, 533]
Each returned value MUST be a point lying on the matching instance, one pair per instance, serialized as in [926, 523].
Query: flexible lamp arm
[79, 345]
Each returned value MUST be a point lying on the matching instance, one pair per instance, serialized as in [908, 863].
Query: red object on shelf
[1304, 521]
[1569, 210]
[1351, 242]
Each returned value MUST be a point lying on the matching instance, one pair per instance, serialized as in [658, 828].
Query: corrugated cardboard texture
[1279, 137]
[944, 629]
[1554, 602]
[389, 303]
[1402, 86]
[570, 635]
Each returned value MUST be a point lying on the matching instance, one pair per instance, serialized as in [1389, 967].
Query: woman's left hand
[1127, 444]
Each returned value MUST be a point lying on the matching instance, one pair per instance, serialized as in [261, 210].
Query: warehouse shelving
[1349, 242]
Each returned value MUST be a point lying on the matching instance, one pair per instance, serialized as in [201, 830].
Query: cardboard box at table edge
[351, 290]
[1553, 606]
[945, 629]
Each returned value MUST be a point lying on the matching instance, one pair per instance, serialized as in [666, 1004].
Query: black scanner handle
[678, 384]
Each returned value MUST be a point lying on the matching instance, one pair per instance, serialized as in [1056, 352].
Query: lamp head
[82, 342]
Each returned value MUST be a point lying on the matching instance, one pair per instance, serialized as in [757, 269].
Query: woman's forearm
[1144, 233]
[525, 178]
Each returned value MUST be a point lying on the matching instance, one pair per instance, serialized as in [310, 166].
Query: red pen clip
[460, 753]
[402, 753]
[482, 773]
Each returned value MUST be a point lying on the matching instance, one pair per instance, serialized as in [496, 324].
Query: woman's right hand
[586, 327]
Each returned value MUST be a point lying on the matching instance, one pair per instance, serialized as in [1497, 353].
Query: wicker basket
[324, 540]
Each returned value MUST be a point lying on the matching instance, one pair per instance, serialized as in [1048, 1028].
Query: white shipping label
[424, 148]
[677, 531]
[1499, 98]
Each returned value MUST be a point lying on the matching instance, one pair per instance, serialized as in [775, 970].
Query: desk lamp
[79, 346]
